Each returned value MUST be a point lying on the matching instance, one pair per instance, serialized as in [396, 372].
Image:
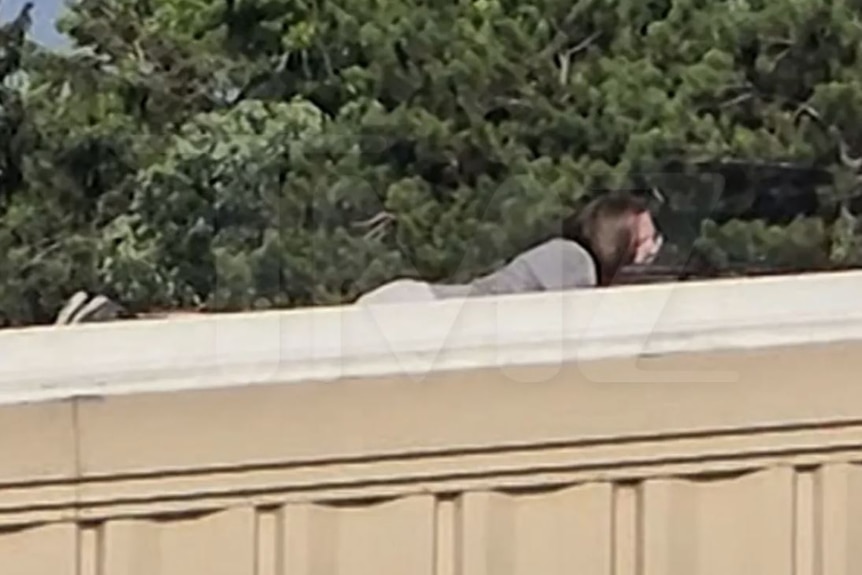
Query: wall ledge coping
[331, 343]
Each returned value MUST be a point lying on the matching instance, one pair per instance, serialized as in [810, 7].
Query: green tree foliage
[232, 154]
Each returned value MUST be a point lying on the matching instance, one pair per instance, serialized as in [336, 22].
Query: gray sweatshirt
[555, 265]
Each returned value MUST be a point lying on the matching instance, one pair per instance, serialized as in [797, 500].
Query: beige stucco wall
[584, 469]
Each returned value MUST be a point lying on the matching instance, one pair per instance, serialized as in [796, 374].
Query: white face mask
[650, 241]
[650, 251]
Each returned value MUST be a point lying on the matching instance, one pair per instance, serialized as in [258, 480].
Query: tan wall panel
[838, 520]
[43, 550]
[392, 537]
[221, 543]
[720, 526]
[38, 442]
[468, 473]
[270, 424]
[556, 533]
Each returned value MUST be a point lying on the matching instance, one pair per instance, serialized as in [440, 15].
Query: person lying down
[611, 232]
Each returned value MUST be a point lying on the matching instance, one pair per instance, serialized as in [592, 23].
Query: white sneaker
[99, 308]
[73, 305]
[81, 308]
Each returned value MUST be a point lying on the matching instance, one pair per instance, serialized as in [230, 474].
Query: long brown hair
[604, 228]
